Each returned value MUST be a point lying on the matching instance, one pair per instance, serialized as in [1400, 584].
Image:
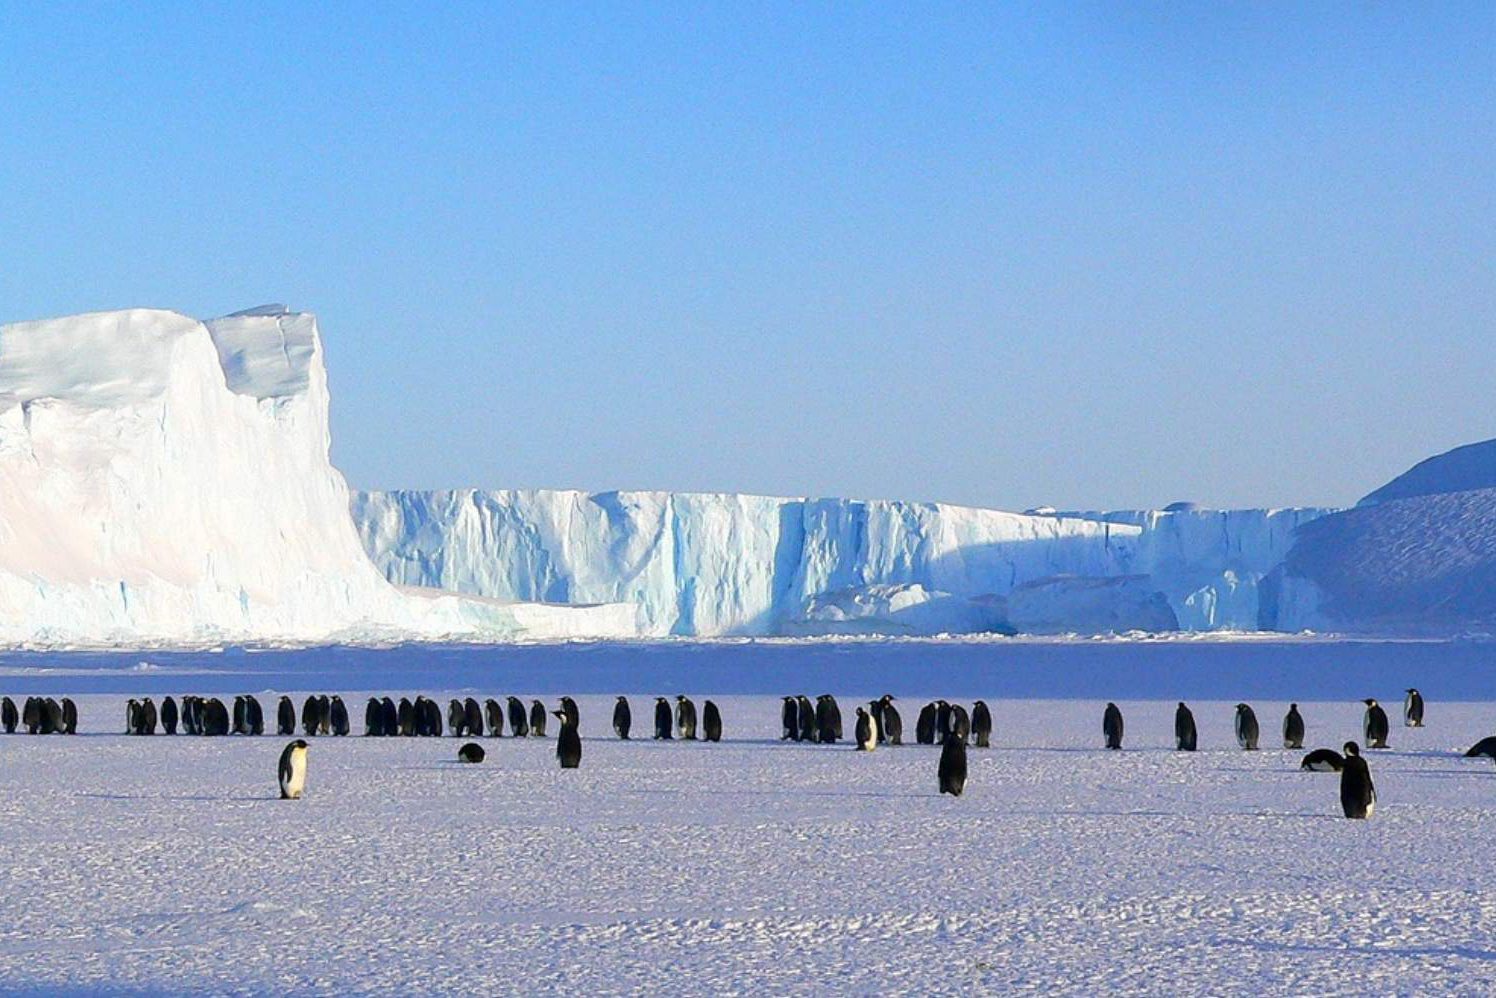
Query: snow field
[750, 866]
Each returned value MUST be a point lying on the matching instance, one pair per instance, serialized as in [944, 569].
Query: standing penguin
[1111, 726]
[285, 717]
[256, 716]
[292, 770]
[456, 718]
[537, 719]
[623, 718]
[953, 766]
[664, 720]
[942, 720]
[866, 730]
[495, 717]
[789, 720]
[960, 722]
[474, 713]
[324, 715]
[310, 716]
[70, 717]
[573, 714]
[806, 714]
[568, 742]
[828, 719]
[406, 713]
[391, 725]
[373, 718]
[519, 725]
[1293, 728]
[215, 717]
[1185, 735]
[685, 717]
[337, 710]
[711, 722]
[147, 716]
[169, 715]
[890, 723]
[924, 725]
[1374, 725]
[1358, 796]
[1247, 731]
[241, 716]
[1413, 709]
[9, 716]
[981, 724]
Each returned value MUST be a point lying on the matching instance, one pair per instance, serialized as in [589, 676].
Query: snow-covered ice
[167, 864]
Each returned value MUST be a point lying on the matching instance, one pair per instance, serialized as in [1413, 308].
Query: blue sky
[1053, 254]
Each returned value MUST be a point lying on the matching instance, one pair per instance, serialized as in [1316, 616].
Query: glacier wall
[164, 479]
[714, 564]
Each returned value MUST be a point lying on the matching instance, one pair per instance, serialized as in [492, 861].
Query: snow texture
[164, 865]
[165, 479]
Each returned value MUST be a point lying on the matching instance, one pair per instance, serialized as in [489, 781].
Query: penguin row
[40, 716]
[681, 722]
[1375, 726]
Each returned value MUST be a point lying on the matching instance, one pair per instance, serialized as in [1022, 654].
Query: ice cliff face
[165, 479]
[708, 564]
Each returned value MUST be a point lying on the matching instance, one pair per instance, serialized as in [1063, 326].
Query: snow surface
[165, 479]
[710, 564]
[752, 866]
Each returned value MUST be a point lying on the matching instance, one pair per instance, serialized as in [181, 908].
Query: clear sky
[1086, 256]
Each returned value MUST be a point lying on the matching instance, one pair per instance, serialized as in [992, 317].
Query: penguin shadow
[180, 798]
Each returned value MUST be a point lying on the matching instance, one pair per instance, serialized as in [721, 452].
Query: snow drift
[165, 480]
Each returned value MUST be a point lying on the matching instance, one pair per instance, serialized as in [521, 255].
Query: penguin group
[40, 716]
[421, 717]
[673, 721]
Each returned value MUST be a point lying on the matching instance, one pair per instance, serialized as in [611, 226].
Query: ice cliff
[164, 479]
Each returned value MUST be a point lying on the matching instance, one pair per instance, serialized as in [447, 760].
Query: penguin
[310, 716]
[169, 715]
[1247, 732]
[324, 715]
[828, 720]
[1323, 760]
[474, 717]
[1185, 735]
[568, 742]
[285, 717]
[1111, 726]
[192, 714]
[875, 708]
[960, 722]
[407, 718]
[1413, 709]
[495, 717]
[519, 724]
[537, 719]
[292, 770]
[981, 724]
[215, 717]
[471, 752]
[1358, 795]
[456, 718]
[953, 766]
[1293, 728]
[52, 717]
[1485, 747]
[890, 722]
[664, 722]
[1374, 725]
[623, 718]
[373, 718]
[924, 725]
[572, 713]
[241, 716]
[866, 731]
[338, 712]
[147, 716]
[789, 720]
[942, 720]
[711, 722]
[9, 716]
[806, 714]
[685, 718]
[428, 712]
[31, 715]
[391, 725]
[70, 717]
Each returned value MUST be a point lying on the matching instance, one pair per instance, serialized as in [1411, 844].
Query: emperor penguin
[495, 716]
[9, 716]
[1323, 760]
[310, 716]
[285, 717]
[1485, 747]
[942, 720]
[324, 715]
[1111, 726]
[474, 717]
[789, 720]
[960, 722]
[981, 724]
[1247, 731]
[147, 716]
[568, 742]
[572, 712]
[70, 717]
[537, 719]
[215, 717]
[471, 752]
[828, 720]
[31, 715]
[256, 716]
[685, 717]
[293, 770]
[1374, 725]
[623, 718]
[664, 722]
[391, 726]
[456, 718]
[519, 724]
[866, 730]
[407, 717]
[1358, 795]
[1293, 728]
[241, 717]
[806, 714]
[1413, 709]
[1185, 735]
[953, 766]
[924, 725]
[427, 708]
[337, 711]
[373, 718]
[169, 715]
[711, 722]
[890, 723]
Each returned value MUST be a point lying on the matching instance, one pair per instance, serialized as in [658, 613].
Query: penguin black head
[1370, 702]
[1351, 748]
[886, 699]
[661, 700]
[1410, 690]
[299, 743]
[1181, 703]
[1293, 706]
[622, 699]
[1240, 707]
